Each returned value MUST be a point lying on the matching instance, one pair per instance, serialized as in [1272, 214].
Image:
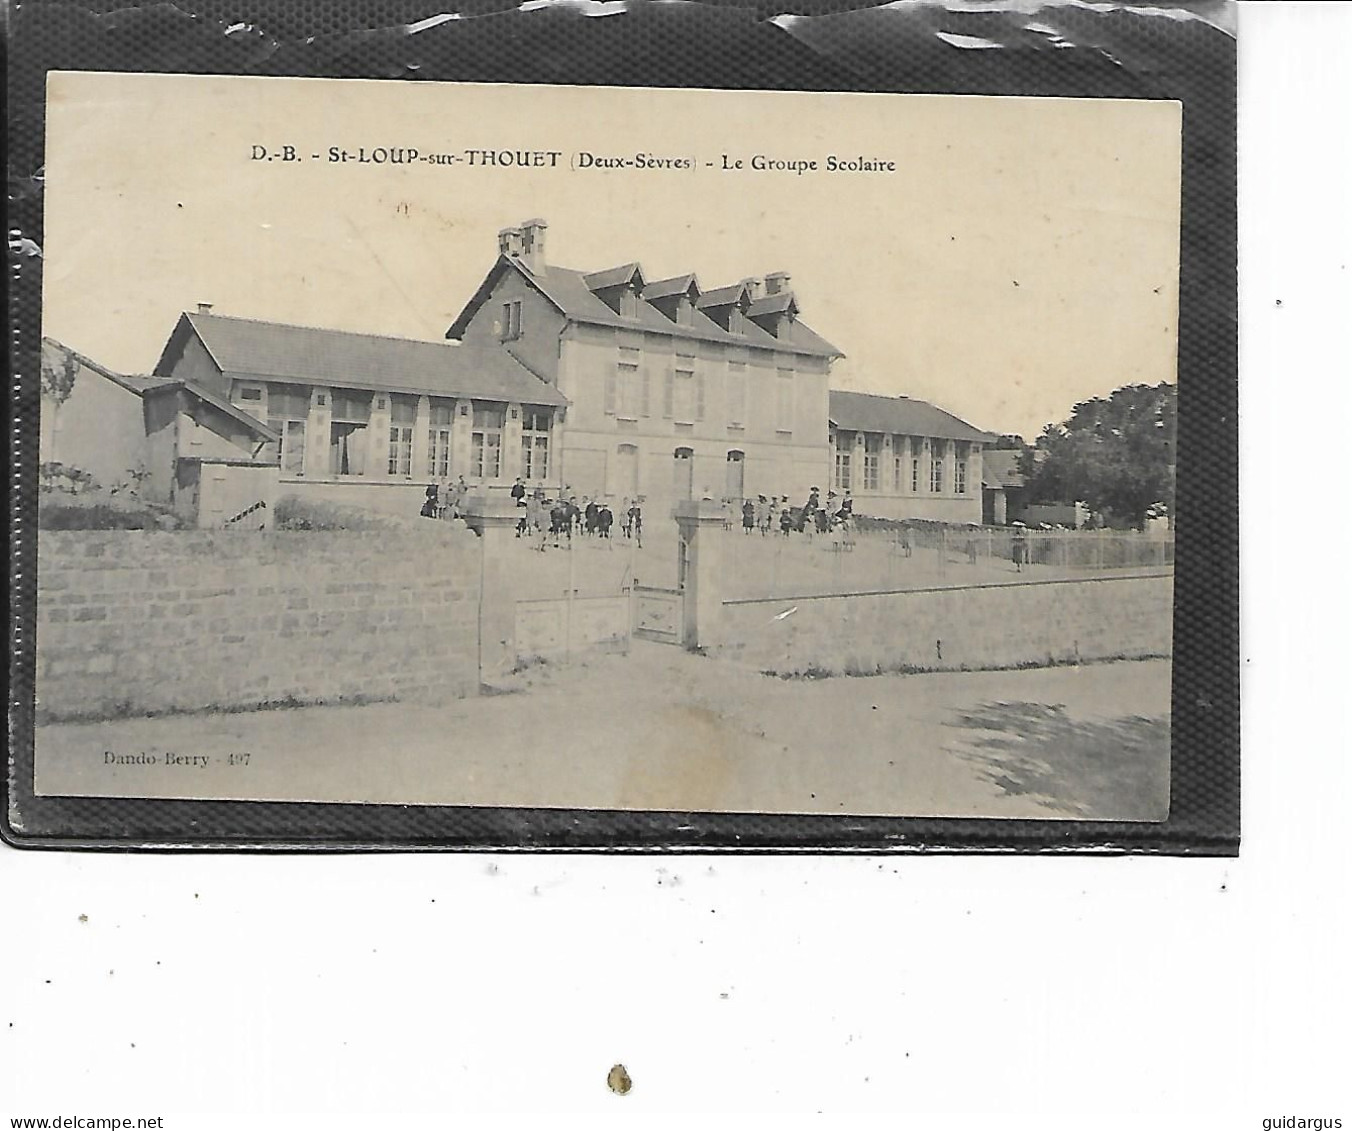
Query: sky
[1020, 256]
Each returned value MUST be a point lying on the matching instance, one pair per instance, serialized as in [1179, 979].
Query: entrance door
[684, 482]
[736, 478]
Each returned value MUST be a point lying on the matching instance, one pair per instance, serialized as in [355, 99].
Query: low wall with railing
[878, 559]
[1004, 625]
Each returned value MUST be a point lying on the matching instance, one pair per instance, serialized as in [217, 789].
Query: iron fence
[932, 555]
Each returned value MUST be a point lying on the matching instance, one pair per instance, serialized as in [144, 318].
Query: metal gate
[658, 614]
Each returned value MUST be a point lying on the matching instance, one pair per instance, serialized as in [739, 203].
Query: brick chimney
[204, 308]
[509, 243]
[533, 245]
[776, 281]
[753, 285]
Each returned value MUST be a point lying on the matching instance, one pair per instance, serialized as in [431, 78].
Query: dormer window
[775, 313]
[726, 306]
[675, 298]
[618, 288]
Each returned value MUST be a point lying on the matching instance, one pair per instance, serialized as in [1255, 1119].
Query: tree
[1114, 453]
[59, 369]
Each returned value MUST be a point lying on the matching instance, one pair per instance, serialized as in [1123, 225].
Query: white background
[1054, 992]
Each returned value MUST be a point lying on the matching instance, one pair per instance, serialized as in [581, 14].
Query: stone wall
[993, 626]
[139, 622]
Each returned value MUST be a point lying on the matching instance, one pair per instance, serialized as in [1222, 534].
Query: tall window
[736, 394]
[626, 405]
[288, 408]
[511, 320]
[347, 432]
[784, 401]
[668, 394]
[485, 454]
[898, 466]
[688, 406]
[873, 447]
[403, 412]
[937, 467]
[401, 449]
[439, 440]
[535, 444]
[844, 450]
[960, 471]
[916, 449]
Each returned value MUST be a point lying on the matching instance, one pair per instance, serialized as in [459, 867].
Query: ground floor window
[626, 470]
[403, 415]
[347, 448]
[439, 439]
[401, 449]
[535, 444]
[960, 471]
[288, 407]
[735, 483]
[439, 453]
[844, 448]
[486, 455]
[936, 474]
[486, 443]
[873, 446]
[348, 441]
[684, 464]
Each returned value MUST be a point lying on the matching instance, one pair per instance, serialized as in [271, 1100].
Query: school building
[600, 383]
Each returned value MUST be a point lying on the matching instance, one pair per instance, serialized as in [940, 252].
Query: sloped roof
[665, 288]
[244, 347]
[614, 276]
[133, 383]
[723, 296]
[867, 412]
[202, 393]
[568, 291]
[1001, 469]
[772, 304]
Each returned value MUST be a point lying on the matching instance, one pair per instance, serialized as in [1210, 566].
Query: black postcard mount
[1187, 54]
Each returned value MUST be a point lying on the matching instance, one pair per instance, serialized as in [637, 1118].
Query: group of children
[444, 500]
[561, 518]
[564, 516]
[765, 514]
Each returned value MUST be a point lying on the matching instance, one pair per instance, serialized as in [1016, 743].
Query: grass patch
[97, 509]
[850, 671]
[292, 513]
[125, 710]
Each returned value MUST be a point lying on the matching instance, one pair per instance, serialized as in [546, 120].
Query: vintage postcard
[609, 449]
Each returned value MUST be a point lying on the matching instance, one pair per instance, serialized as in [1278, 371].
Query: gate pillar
[699, 571]
[494, 521]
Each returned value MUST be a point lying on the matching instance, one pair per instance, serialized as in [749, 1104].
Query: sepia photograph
[607, 449]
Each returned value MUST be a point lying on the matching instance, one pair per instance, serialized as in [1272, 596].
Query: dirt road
[664, 729]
